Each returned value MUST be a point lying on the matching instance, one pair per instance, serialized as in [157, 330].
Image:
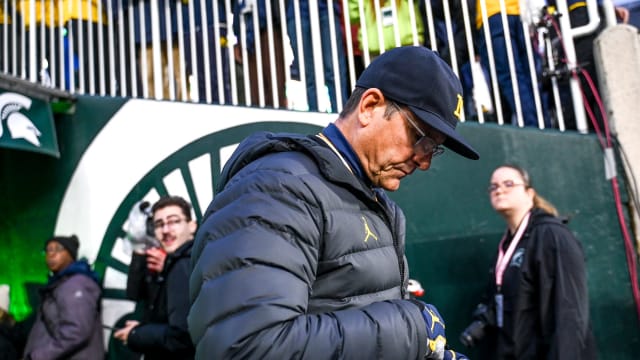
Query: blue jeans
[327, 57]
[521, 64]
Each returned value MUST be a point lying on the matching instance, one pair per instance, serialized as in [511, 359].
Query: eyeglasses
[425, 145]
[53, 249]
[172, 222]
[507, 185]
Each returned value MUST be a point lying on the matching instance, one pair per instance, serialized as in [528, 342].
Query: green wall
[452, 232]
[31, 189]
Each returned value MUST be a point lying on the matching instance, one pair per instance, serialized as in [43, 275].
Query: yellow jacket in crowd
[56, 12]
[493, 7]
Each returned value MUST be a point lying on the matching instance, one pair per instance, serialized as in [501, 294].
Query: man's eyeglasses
[172, 222]
[425, 145]
[507, 184]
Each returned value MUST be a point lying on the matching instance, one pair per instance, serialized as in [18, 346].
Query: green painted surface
[31, 189]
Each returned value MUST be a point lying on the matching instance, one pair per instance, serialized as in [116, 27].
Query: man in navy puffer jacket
[301, 253]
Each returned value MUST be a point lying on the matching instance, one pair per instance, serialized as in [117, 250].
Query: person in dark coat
[8, 349]
[192, 34]
[142, 16]
[538, 303]
[206, 48]
[253, 49]
[301, 253]
[159, 279]
[69, 320]
[13, 333]
[9, 339]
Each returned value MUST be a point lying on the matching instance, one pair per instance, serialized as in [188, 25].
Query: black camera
[145, 208]
[483, 316]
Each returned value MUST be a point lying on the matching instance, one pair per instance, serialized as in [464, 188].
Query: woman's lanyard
[503, 261]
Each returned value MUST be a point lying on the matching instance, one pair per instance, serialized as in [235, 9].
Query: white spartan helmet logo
[18, 124]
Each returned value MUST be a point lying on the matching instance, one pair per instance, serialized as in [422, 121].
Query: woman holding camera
[538, 305]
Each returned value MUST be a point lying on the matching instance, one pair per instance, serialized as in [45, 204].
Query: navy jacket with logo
[297, 258]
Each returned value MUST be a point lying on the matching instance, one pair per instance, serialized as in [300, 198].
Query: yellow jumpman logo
[369, 233]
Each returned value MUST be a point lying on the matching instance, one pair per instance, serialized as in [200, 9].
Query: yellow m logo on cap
[458, 111]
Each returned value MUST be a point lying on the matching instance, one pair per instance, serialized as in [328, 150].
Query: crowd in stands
[248, 54]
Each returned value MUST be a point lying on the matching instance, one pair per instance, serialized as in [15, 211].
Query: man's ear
[371, 100]
[193, 227]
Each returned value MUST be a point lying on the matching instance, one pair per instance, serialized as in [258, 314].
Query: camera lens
[473, 333]
[466, 339]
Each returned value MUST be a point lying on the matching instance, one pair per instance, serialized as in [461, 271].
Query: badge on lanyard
[499, 311]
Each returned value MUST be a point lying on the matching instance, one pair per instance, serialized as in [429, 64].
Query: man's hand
[452, 355]
[123, 334]
[436, 339]
[435, 332]
[155, 259]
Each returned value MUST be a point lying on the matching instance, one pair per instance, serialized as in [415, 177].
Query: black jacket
[163, 332]
[546, 300]
[8, 348]
[297, 258]
[13, 336]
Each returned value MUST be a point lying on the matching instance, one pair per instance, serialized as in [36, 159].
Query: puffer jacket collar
[77, 267]
[263, 143]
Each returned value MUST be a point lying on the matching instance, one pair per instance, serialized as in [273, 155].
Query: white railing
[206, 51]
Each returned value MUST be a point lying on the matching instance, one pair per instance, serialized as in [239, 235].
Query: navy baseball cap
[418, 78]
